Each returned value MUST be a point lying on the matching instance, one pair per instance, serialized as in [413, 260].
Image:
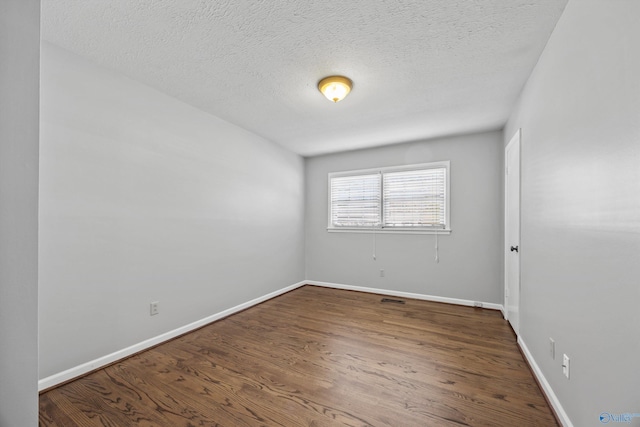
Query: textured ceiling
[421, 68]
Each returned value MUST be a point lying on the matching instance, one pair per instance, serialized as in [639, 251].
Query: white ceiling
[421, 68]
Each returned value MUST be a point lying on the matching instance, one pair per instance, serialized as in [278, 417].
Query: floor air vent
[391, 300]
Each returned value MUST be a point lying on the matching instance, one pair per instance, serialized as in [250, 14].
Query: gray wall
[580, 258]
[144, 198]
[19, 74]
[470, 264]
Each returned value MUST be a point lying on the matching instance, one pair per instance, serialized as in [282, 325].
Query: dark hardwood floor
[318, 357]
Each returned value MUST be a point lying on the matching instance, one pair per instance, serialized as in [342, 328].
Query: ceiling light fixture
[335, 88]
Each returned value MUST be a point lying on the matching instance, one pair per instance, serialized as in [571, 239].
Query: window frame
[446, 164]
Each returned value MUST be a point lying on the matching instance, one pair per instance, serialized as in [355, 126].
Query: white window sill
[388, 230]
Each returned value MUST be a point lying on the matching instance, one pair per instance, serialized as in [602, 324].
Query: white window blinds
[415, 198]
[355, 201]
[411, 197]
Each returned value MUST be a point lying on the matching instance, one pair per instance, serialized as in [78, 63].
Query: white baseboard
[100, 362]
[489, 305]
[78, 371]
[546, 387]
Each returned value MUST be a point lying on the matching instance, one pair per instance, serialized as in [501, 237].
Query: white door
[512, 232]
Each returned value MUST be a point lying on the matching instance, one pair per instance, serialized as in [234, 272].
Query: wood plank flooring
[318, 357]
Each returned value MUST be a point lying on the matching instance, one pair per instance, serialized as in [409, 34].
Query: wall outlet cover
[154, 308]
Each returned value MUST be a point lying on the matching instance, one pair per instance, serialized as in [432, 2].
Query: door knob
[514, 249]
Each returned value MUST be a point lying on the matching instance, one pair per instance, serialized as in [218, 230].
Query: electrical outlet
[552, 348]
[381, 273]
[154, 309]
[565, 365]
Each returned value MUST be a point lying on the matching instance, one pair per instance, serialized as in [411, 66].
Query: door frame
[515, 140]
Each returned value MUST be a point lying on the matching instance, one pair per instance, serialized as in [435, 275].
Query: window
[411, 198]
